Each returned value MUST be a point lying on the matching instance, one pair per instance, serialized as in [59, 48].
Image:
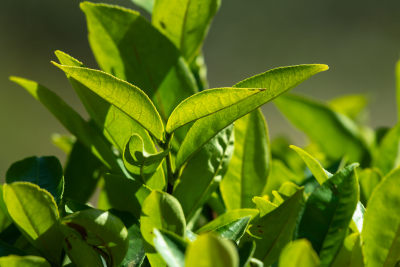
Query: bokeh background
[358, 39]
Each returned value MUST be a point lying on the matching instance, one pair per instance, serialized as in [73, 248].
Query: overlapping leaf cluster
[183, 175]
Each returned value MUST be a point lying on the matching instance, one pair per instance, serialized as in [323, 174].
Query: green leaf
[129, 47]
[274, 230]
[320, 123]
[46, 172]
[162, 211]
[313, 164]
[23, 261]
[228, 105]
[204, 171]
[264, 205]
[350, 254]
[102, 230]
[242, 100]
[125, 194]
[280, 174]
[71, 120]
[79, 252]
[249, 167]
[351, 106]
[246, 251]
[227, 218]
[235, 230]
[328, 213]
[136, 254]
[145, 4]
[211, 251]
[82, 173]
[380, 235]
[185, 22]
[299, 253]
[369, 180]
[143, 163]
[116, 125]
[5, 219]
[171, 247]
[35, 212]
[123, 95]
[64, 142]
[387, 156]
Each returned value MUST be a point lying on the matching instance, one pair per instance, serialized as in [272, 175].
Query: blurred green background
[359, 40]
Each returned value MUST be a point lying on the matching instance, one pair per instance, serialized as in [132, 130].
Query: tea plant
[187, 176]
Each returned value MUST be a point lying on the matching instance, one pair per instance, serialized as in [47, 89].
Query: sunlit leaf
[299, 253]
[380, 236]
[249, 167]
[208, 250]
[203, 173]
[228, 105]
[35, 213]
[185, 22]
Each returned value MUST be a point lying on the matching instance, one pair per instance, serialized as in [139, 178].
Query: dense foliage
[183, 176]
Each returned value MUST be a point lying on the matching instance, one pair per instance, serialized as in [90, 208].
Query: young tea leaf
[126, 45]
[213, 115]
[123, 95]
[249, 167]
[185, 22]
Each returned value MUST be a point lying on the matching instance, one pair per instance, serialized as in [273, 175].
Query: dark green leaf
[136, 253]
[328, 213]
[246, 251]
[46, 172]
[204, 171]
[125, 194]
[82, 173]
[249, 167]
